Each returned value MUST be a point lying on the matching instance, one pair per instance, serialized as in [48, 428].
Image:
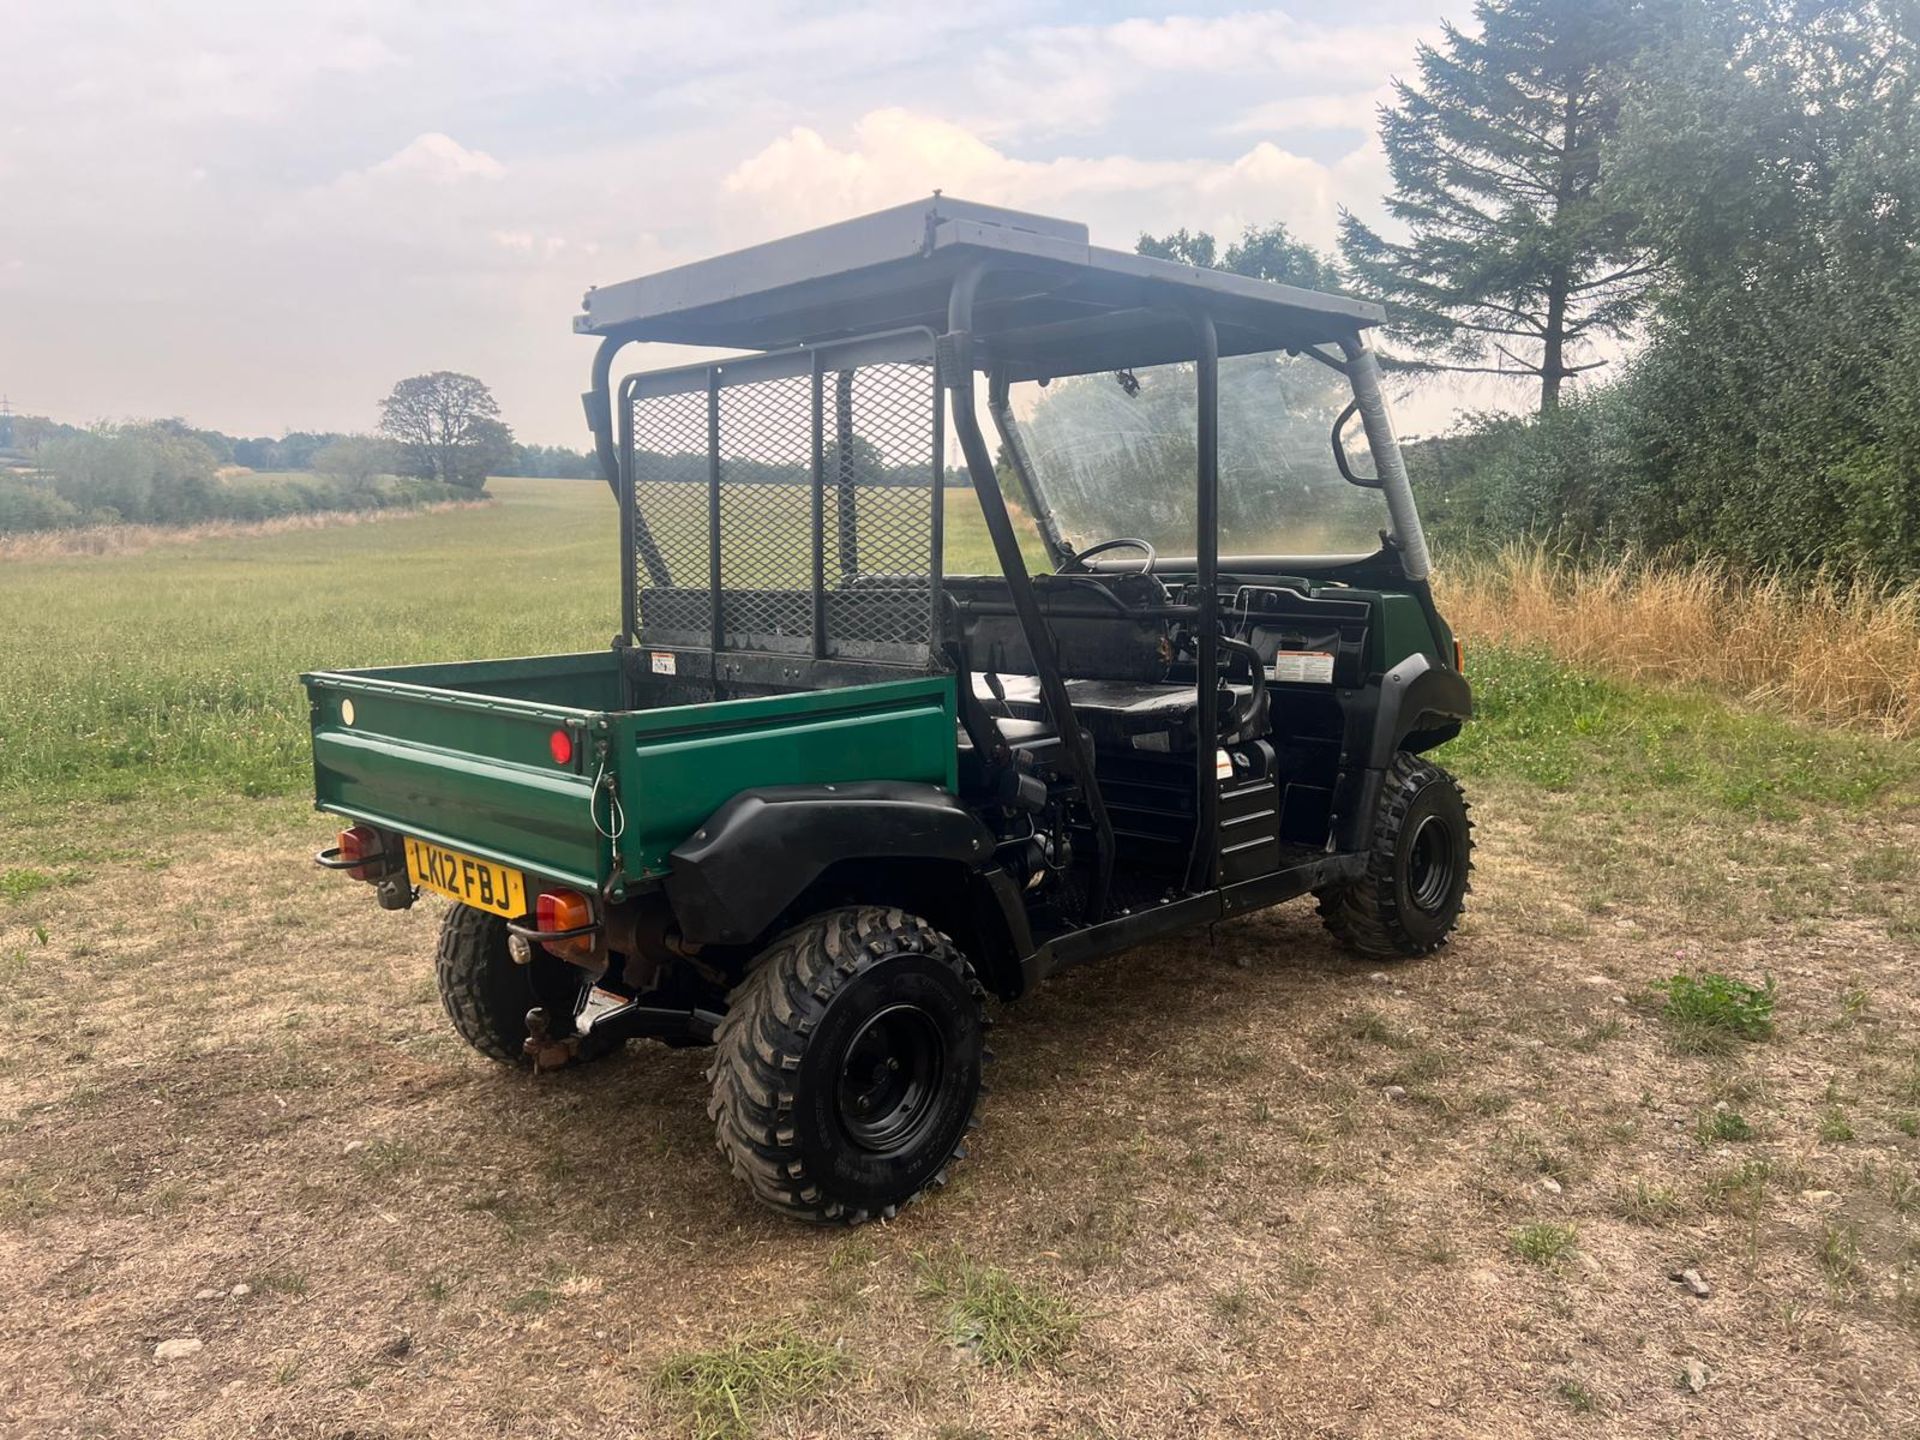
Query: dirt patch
[1274, 1193]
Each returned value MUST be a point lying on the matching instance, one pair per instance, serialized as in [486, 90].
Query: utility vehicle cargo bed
[536, 763]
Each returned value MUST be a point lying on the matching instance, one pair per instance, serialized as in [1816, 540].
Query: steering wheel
[1077, 564]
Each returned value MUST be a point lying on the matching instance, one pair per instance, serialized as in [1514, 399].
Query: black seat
[1113, 712]
[1101, 624]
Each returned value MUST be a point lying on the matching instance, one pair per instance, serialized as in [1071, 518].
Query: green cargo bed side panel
[458, 754]
[677, 766]
[468, 768]
[512, 814]
[587, 681]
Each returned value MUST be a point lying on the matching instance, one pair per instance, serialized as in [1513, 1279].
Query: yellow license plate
[479, 883]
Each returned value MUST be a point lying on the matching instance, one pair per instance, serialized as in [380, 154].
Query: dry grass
[138, 539]
[1822, 649]
[1193, 1210]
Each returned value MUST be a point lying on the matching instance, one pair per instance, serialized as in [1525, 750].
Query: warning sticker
[1303, 667]
[663, 663]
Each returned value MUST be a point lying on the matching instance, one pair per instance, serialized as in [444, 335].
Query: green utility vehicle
[828, 788]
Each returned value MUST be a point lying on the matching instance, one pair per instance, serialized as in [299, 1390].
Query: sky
[258, 217]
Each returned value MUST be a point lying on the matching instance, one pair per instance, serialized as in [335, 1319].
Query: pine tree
[1517, 254]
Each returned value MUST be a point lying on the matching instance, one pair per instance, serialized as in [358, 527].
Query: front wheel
[1415, 886]
[848, 1066]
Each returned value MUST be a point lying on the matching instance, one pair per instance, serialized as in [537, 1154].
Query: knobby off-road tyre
[1416, 881]
[847, 1070]
[487, 996]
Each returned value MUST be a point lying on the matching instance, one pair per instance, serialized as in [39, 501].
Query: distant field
[176, 669]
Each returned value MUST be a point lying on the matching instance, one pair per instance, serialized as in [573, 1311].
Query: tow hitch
[607, 1012]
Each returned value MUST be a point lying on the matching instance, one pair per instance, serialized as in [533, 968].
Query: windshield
[1115, 460]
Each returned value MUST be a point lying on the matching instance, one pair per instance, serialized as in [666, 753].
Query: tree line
[439, 437]
[1692, 228]
[384, 451]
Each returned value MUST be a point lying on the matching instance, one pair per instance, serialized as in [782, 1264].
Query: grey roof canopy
[1050, 303]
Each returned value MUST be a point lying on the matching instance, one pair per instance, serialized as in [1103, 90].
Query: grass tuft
[1709, 1012]
[1724, 1125]
[1839, 1253]
[1646, 1204]
[1578, 1397]
[1002, 1321]
[18, 884]
[1835, 1128]
[725, 1390]
[1543, 1243]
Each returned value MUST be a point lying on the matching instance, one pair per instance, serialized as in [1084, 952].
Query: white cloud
[894, 155]
[1075, 78]
[1349, 110]
[438, 160]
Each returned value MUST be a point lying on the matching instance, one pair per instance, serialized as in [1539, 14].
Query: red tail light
[1459, 657]
[560, 746]
[564, 910]
[362, 842]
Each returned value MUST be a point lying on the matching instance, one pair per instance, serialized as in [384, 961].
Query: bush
[157, 476]
[27, 504]
[144, 474]
[357, 460]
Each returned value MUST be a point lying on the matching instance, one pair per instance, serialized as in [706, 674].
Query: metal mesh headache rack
[787, 505]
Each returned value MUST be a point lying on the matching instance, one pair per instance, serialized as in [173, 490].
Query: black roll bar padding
[1340, 451]
[599, 403]
[1206, 368]
[716, 607]
[956, 361]
[616, 465]
[817, 500]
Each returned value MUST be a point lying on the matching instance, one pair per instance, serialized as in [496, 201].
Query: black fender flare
[759, 852]
[1415, 699]
[1416, 695]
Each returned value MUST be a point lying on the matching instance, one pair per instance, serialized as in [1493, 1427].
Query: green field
[174, 671]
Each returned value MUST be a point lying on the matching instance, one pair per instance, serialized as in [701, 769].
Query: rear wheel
[1415, 886]
[847, 1069]
[487, 996]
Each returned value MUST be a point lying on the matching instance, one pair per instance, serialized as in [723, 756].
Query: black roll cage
[956, 367]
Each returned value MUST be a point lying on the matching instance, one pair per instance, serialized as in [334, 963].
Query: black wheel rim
[890, 1079]
[1431, 863]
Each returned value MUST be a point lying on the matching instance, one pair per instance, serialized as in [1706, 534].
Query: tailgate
[471, 772]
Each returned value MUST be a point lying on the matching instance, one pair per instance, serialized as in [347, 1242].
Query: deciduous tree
[1263, 252]
[448, 427]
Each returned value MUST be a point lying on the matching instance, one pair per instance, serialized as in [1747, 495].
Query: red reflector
[362, 842]
[560, 745]
[1459, 657]
[564, 910]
